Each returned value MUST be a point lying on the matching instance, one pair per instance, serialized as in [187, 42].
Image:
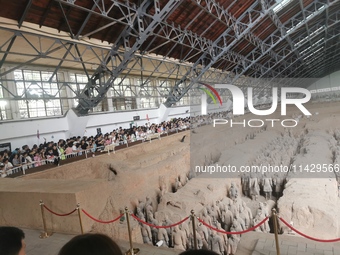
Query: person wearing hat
[2, 172]
[75, 148]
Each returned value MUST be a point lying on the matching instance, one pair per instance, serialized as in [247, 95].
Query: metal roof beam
[96, 55]
[9, 47]
[66, 20]
[219, 48]
[88, 16]
[323, 62]
[23, 16]
[95, 89]
[334, 19]
[298, 66]
[127, 10]
[284, 55]
[304, 17]
[284, 36]
[230, 21]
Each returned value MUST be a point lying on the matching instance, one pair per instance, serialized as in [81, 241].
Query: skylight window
[281, 5]
[311, 34]
[313, 53]
[307, 18]
[302, 52]
[315, 60]
[314, 44]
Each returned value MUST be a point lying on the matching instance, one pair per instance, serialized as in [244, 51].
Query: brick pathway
[252, 243]
[266, 246]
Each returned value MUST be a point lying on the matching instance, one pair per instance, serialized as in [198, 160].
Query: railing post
[44, 234]
[274, 215]
[80, 220]
[132, 251]
[194, 228]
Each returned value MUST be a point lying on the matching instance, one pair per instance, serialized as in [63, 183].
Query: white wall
[109, 121]
[23, 132]
[329, 84]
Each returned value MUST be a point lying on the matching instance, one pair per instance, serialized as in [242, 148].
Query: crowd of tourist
[53, 152]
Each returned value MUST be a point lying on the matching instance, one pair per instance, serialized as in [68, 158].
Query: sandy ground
[156, 169]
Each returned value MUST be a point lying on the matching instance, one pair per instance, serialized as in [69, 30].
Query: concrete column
[69, 92]
[137, 94]
[204, 104]
[12, 108]
[109, 101]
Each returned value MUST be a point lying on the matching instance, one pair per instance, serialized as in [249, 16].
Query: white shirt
[8, 166]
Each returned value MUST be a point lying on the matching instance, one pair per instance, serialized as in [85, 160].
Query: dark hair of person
[90, 244]
[198, 252]
[10, 240]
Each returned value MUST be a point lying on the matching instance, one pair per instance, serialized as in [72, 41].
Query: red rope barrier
[58, 214]
[101, 221]
[309, 237]
[233, 233]
[154, 226]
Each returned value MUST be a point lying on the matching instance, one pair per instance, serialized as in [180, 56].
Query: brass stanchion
[80, 221]
[274, 215]
[132, 250]
[194, 228]
[44, 234]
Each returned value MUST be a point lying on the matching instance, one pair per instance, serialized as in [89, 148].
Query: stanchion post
[44, 234]
[274, 215]
[132, 251]
[194, 228]
[80, 220]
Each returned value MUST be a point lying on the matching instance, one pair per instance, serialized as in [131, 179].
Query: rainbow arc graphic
[208, 91]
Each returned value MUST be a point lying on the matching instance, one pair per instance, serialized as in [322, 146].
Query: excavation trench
[163, 172]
